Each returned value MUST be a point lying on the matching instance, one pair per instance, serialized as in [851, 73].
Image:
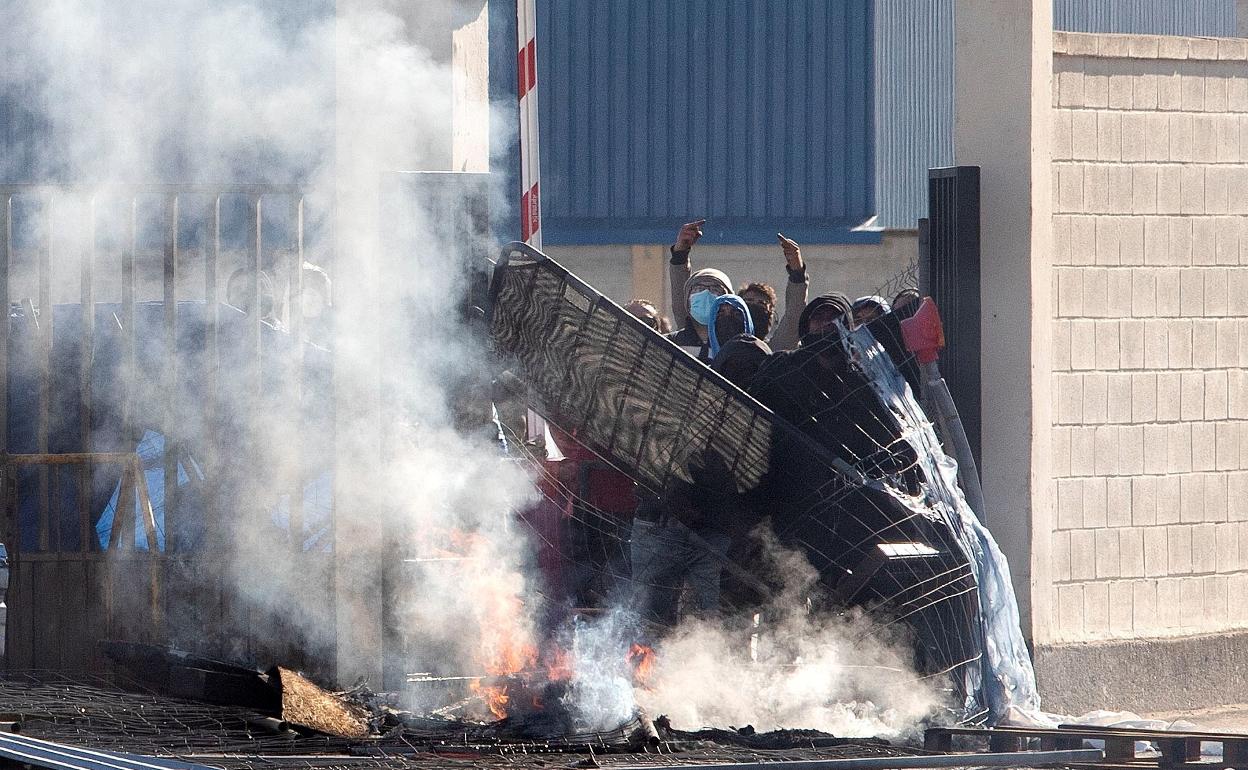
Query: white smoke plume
[337, 98]
[795, 664]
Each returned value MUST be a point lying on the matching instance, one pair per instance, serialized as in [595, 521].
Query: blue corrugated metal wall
[1214, 18]
[914, 104]
[755, 114]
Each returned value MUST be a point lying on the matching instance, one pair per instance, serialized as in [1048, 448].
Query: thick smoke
[337, 98]
[792, 665]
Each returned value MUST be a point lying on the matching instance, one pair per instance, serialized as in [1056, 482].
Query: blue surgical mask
[702, 305]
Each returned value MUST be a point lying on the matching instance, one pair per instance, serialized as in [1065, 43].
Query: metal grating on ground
[89, 711]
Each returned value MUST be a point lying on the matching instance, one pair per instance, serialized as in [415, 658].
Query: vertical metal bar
[129, 346]
[6, 249]
[295, 380]
[86, 355]
[254, 321]
[45, 363]
[253, 375]
[170, 372]
[211, 363]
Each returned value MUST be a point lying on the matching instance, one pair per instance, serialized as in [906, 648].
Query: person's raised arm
[679, 268]
[796, 290]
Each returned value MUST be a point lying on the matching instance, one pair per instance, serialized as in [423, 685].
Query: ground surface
[1223, 719]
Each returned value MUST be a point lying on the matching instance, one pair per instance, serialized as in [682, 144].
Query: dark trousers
[668, 557]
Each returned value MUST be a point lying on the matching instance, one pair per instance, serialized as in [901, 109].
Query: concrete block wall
[1150, 336]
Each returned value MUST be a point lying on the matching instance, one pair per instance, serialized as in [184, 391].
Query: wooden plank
[146, 513]
[1235, 752]
[99, 608]
[21, 633]
[73, 628]
[67, 458]
[44, 601]
[1179, 751]
[122, 536]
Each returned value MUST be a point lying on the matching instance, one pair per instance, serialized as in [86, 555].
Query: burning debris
[521, 656]
[306, 705]
[863, 489]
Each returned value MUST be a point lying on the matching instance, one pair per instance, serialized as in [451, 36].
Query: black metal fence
[949, 272]
[117, 335]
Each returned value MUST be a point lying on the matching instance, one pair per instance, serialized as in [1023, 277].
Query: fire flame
[642, 659]
[559, 665]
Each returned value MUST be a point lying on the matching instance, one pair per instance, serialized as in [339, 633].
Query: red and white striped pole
[537, 431]
[530, 155]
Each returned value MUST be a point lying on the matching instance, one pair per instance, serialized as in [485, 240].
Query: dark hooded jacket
[740, 358]
[834, 299]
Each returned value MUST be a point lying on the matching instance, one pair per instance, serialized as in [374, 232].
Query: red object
[923, 332]
[526, 95]
[580, 474]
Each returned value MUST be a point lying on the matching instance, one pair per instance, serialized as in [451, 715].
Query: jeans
[666, 558]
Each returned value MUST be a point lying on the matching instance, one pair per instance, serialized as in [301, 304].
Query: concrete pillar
[1003, 69]
[470, 95]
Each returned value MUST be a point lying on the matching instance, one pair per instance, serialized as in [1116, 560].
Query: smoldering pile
[183, 703]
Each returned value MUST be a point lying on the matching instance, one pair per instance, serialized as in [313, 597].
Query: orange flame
[642, 659]
[559, 665]
[506, 649]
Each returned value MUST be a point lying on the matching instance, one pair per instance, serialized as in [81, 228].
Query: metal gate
[119, 349]
[949, 272]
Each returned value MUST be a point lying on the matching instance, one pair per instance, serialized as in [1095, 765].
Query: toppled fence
[678, 428]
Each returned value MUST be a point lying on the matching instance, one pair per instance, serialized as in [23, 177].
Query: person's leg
[656, 552]
[704, 566]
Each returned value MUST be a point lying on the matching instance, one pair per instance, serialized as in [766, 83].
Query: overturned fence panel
[874, 518]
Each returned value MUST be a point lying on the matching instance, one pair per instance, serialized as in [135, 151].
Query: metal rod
[6, 250]
[211, 363]
[86, 354]
[170, 369]
[257, 260]
[294, 381]
[44, 316]
[1011, 759]
[129, 344]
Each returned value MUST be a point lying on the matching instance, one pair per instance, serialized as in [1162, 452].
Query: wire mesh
[906, 278]
[826, 460]
[94, 712]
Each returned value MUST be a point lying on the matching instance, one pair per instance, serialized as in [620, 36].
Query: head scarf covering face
[708, 278]
[735, 302]
[831, 301]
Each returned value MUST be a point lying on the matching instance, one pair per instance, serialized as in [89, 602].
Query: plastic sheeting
[1009, 681]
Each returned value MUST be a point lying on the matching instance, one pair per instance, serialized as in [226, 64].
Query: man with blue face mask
[701, 291]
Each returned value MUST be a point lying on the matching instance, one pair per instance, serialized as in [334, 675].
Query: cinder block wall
[1150, 336]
